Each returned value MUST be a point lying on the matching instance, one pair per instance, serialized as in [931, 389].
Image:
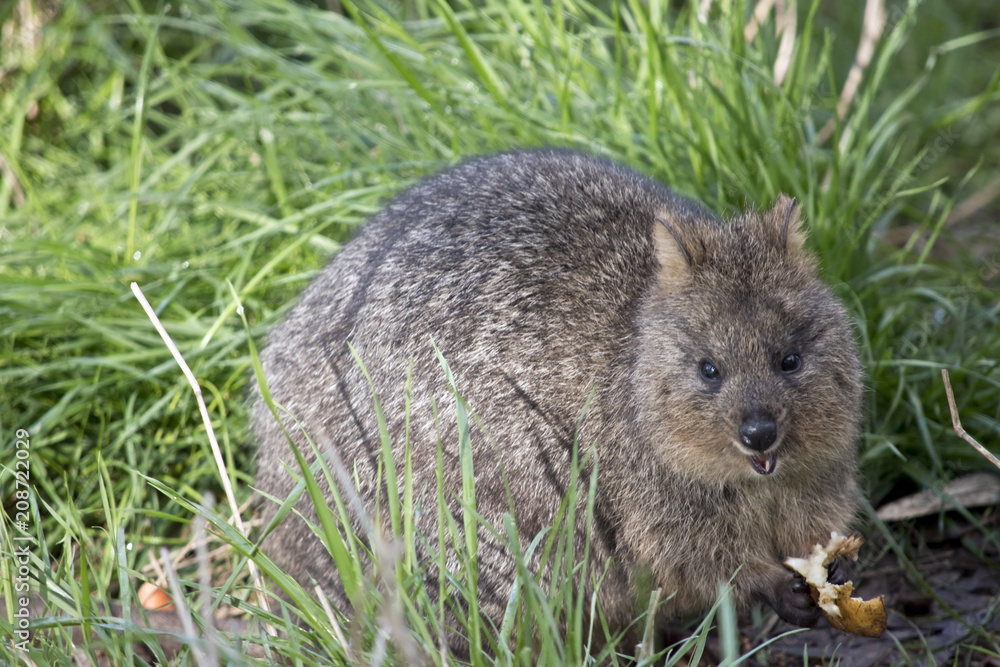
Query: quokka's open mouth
[764, 463]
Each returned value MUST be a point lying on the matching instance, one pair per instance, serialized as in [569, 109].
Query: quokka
[726, 381]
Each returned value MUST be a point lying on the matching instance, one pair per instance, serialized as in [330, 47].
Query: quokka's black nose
[758, 431]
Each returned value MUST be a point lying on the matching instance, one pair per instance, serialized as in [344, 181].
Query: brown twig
[956, 423]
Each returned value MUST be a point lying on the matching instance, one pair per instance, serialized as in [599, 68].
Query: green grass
[213, 143]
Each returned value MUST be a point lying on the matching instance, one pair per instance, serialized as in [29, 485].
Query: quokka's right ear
[676, 252]
[787, 228]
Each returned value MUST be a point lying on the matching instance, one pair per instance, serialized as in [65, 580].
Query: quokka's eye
[791, 363]
[709, 371]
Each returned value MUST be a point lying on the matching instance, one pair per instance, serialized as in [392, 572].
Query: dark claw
[840, 571]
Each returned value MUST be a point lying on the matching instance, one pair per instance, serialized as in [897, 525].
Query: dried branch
[956, 423]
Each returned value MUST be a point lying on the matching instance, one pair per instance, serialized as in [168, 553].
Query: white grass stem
[183, 614]
[216, 451]
[205, 582]
[335, 625]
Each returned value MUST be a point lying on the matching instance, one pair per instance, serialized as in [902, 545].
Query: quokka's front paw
[793, 602]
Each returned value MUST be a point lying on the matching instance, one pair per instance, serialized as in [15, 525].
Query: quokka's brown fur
[728, 384]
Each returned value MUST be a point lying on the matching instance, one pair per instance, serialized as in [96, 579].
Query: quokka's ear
[784, 223]
[674, 247]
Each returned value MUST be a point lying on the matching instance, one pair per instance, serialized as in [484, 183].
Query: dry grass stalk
[870, 32]
[975, 203]
[704, 7]
[759, 12]
[786, 19]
